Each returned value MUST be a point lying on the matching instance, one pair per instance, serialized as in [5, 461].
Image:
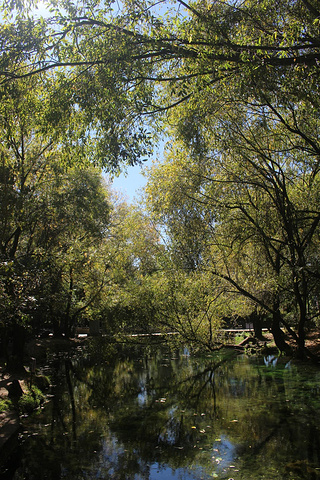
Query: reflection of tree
[132, 412]
[286, 425]
[68, 367]
[165, 427]
[56, 449]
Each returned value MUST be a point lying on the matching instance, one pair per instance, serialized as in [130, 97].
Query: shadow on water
[154, 413]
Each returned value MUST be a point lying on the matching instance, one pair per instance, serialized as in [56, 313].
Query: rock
[9, 428]
[14, 389]
[41, 381]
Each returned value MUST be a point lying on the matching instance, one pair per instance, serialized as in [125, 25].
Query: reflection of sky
[171, 431]
[224, 453]
[271, 360]
[111, 449]
[111, 455]
[158, 472]
[142, 397]
[145, 393]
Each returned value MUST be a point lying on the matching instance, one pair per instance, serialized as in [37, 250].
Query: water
[158, 414]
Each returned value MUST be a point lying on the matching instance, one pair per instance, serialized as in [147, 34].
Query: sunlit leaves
[117, 64]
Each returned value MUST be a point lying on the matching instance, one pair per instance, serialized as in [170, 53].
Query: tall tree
[50, 214]
[116, 58]
[256, 184]
[134, 250]
[118, 65]
[237, 82]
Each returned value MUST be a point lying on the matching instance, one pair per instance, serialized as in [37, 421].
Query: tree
[111, 64]
[170, 195]
[50, 216]
[237, 83]
[256, 183]
[117, 60]
[70, 247]
[274, 186]
[134, 250]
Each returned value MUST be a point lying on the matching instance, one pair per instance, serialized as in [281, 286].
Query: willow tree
[256, 189]
[53, 207]
[131, 70]
[120, 64]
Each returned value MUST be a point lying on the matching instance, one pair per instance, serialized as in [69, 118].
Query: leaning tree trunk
[278, 334]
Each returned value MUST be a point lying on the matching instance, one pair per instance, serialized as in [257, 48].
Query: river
[158, 413]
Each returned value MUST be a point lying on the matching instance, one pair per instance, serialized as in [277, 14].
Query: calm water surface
[158, 414]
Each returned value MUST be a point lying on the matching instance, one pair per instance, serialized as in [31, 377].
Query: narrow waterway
[152, 413]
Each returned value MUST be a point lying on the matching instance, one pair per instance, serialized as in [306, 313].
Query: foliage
[54, 216]
[114, 64]
[5, 405]
[134, 251]
[235, 87]
[184, 304]
[260, 231]
[30, 401]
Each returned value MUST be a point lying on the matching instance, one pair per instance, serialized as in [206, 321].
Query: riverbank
[9, 418]
[15, 384]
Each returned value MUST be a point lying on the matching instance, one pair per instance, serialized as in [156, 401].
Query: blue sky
[130, 183]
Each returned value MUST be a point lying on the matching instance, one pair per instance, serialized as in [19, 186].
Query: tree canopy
[119, 64]
[234, 87]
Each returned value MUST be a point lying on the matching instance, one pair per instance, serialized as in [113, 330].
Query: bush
[5, 405]
[30, 400]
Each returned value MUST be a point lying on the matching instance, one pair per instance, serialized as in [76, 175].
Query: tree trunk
[67, 317]
[16, 237]
[302, 302]
[278, 334]
[301, 335]
[256, 320]
[15, 361]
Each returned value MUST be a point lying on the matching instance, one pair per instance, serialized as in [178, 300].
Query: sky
[133, 181]
[129, 184]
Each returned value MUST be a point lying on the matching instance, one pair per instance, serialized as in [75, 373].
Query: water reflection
[156, 414]
[271, 360]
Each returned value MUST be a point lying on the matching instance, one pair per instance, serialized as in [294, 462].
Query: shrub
[5, 405]
[30, 400]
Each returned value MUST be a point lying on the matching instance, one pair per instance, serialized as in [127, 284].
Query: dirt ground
[6, 380]
[313, 342]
